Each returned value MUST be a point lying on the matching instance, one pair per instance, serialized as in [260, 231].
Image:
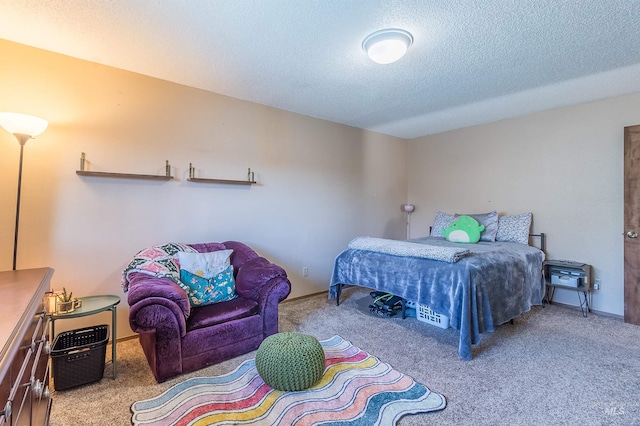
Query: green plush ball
[290, 361]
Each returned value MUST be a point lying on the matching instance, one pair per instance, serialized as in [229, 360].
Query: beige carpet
[552, 366]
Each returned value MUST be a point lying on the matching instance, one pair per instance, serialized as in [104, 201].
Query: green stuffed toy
[463, 229]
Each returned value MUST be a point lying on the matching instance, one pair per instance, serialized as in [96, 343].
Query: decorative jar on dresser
[25, 398]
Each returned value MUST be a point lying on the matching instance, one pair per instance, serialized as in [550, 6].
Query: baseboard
[125, 338]
[306, 296]
[608, 314]
[593, 311]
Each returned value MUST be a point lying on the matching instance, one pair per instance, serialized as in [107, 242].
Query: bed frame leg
[338, 291]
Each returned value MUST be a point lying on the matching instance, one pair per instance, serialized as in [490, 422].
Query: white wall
[563, 165]
[320, 184]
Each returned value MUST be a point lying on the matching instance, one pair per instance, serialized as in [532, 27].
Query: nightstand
[569, 275]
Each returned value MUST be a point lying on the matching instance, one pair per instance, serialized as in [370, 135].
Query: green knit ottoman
[290, 361]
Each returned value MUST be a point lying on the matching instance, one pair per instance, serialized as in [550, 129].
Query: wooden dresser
[25, 398]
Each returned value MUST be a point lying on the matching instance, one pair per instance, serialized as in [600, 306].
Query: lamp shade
[22, 124]
[387, 46]
[407, 208]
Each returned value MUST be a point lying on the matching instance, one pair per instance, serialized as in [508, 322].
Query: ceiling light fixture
[387, 46]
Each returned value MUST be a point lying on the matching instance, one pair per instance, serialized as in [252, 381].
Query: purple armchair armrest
[266, 283]
[146, 291]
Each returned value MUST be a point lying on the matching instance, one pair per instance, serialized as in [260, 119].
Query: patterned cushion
[205, 291]
[490, 222]
[442, 220]
[205, 265]
[514, 228]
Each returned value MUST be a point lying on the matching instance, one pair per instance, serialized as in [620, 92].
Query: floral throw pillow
[206, 291]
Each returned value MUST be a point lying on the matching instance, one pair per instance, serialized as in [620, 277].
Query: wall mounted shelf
[250, 178]
[83, 172]
[123, 175]
[226, 181]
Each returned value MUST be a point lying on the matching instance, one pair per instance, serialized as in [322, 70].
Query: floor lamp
[23, 127]
[408, 209]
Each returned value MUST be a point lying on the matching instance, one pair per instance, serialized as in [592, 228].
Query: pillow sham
[206, 291]
[514, 228]
[442, 220]
[490, 222]
[205, 265]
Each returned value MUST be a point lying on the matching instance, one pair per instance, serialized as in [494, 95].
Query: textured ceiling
[473, 61]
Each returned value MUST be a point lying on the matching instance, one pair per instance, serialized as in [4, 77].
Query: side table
[578, 274]
[92, 305]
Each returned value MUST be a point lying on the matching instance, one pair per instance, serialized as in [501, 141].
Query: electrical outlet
[305, 271]
[596, 283]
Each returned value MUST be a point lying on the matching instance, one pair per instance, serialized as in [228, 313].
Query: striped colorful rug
[356, 389]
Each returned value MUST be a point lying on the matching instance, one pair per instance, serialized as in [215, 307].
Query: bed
[488, 284]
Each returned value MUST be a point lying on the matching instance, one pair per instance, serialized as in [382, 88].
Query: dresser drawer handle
[21, 373]
[36, 330]
[37, 388]
[36, 358]
[7, 412]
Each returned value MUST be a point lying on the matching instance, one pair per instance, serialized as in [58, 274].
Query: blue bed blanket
[492, 284]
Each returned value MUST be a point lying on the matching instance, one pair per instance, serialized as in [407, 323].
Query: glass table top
[90, 305]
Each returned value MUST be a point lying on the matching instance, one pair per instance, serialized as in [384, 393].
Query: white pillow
[205, 265]
[490, 222]
[442, 220]
[514, 228]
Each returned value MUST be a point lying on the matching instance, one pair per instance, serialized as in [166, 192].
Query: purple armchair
[177, 338]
